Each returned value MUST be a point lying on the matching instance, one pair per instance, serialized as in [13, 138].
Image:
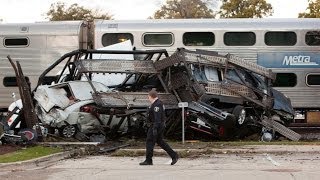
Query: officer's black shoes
[175, 159]
[146, 163]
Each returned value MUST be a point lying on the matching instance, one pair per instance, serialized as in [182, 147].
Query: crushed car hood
[281, 102]
[56, 116]
[48, 97]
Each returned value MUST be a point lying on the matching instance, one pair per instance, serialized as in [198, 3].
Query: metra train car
[290, 47]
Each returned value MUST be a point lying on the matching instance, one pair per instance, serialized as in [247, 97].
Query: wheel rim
[69, 131]
[242, 117]
[29, 135]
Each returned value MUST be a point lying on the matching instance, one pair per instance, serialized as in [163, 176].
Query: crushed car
[64, 107]
[231, 84]
[76, 103]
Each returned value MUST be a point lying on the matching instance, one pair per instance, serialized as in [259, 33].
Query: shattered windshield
[81, 90]
[211, 73]
[198, 73]
[232, 75]
[261, 84]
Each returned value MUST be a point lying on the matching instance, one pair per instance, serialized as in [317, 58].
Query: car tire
[68, 131]
[240, 113]
[28, 135]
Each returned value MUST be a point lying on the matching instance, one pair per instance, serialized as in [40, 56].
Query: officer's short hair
[153, 93]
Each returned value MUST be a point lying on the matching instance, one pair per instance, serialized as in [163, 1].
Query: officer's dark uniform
[155, 132]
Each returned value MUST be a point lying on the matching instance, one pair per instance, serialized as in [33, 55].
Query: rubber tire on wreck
[28, 135]
[68, 127]
[237, 112]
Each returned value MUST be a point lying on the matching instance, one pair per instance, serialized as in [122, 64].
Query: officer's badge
[156, 109]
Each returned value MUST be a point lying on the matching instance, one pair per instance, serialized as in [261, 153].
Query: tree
[59, 12]
[313, 10]
[245, 9]
[185, 9]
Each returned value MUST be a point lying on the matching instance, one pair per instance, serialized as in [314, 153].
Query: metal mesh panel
[227, 89]
[198, 88]
[186, 95]
[205, 59]
[194, 57]
[124, 99]
[169, 61]
[114, 66]
[281, 129]
[178, 80]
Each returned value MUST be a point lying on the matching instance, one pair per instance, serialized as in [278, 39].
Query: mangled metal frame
[87, 66]
[116, 103]
[129, 103]
[207, 58]
[125, 104]
[193, 91]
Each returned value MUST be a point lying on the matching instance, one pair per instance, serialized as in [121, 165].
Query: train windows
[114, 38]
[16, 42]
[11, 81]
[280, 38]
[239, 38]
[158, 39]
[313, 79]
[313, 38]
[285, 80]
[198, 39]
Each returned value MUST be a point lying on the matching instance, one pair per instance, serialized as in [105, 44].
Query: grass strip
[28, 153]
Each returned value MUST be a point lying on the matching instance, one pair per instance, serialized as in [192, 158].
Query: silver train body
[35, 46]
[290, 47]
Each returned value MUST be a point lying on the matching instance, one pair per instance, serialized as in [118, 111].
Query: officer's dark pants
[151, 141]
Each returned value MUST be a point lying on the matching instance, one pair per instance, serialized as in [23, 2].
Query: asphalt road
[295, 166]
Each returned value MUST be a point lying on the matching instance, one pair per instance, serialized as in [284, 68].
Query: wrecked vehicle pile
[227, 96]
[230, 84]
[96, 108]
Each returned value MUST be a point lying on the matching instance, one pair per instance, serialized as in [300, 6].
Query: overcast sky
[16, 11]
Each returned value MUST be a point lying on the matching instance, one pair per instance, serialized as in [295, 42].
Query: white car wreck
[64, 106]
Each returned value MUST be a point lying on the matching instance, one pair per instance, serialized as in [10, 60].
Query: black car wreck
[231, 85]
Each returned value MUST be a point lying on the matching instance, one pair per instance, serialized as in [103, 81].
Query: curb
[43, 161]
[253, 149]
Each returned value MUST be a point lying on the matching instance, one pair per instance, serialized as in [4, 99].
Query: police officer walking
[156, 129]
